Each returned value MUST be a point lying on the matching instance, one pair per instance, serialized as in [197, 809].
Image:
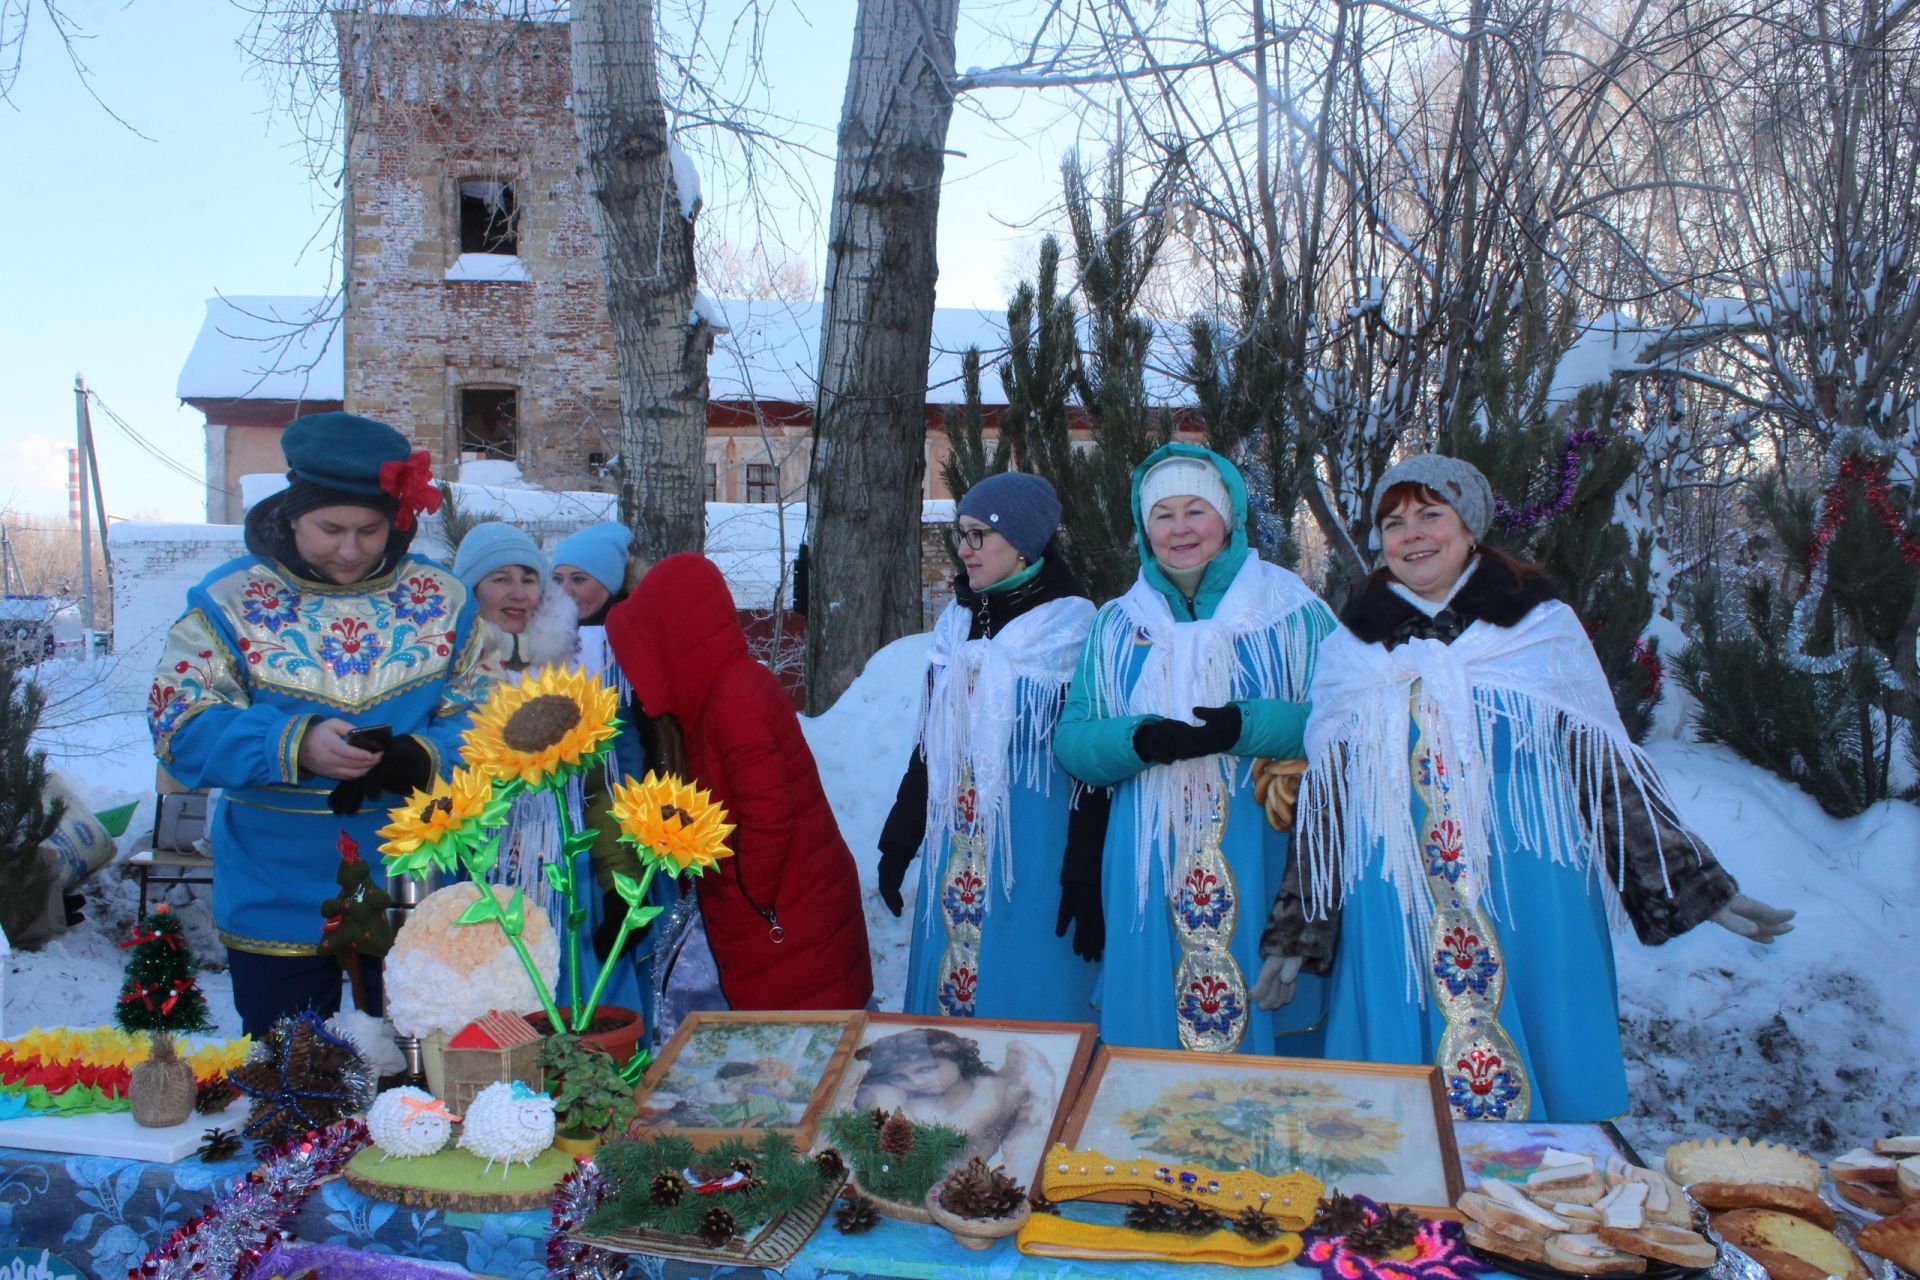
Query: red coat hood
[675, 634]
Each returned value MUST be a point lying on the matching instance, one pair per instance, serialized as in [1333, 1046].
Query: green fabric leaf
[483, 908]
[516, 917]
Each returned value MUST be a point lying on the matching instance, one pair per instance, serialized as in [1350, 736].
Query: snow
[686, 180]
[257, 486]
[1812, 1041]
[706, 310]
[1605, 343]
[266, 348]
[498, 267]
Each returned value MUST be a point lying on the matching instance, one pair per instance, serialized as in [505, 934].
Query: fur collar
[1377, 615]
[552, 635]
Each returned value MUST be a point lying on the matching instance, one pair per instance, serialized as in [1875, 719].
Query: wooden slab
[114, 1133]
[458, 1181]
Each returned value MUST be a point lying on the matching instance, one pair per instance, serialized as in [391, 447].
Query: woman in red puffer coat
[783, 915]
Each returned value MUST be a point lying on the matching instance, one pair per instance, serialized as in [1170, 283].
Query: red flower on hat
[412, 483]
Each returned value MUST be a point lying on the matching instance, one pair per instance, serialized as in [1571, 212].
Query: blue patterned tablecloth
[102, 1215]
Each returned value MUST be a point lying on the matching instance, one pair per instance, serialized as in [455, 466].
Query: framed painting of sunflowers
[739, 1075]
[1372, 1129]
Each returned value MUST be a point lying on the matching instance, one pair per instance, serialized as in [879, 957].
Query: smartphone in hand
[371, 737]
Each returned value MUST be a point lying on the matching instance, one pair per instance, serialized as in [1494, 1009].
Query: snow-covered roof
[266, 348]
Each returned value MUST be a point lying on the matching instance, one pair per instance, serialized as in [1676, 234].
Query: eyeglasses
[972, 539]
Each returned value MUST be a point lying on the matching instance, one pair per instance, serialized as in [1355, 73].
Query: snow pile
[862, 744]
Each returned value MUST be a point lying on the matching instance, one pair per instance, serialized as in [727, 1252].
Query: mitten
[893, 874]
[1163, 741]
[1080, 906]
[405, 767]
[1218, 730]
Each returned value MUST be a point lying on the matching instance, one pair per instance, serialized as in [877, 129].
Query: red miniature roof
[497, 1030]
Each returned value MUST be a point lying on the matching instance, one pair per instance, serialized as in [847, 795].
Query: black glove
[1162, 741]
[1080, 906]
[1218, 731]
[405, 767]
[893, 874]
[613, 909]
[349, 794]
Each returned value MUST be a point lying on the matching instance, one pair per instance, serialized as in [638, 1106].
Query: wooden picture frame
[795, 1066]
[1510, 1150]
[1381, 1130]
[1049, 1061]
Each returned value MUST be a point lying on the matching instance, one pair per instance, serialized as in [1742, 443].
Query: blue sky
[117, 240]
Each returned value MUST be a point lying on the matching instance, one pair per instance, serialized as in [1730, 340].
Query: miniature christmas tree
[356, 923]
[160, 993]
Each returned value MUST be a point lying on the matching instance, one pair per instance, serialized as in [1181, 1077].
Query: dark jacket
[906, 824]
[1700, 885]
[679, 642]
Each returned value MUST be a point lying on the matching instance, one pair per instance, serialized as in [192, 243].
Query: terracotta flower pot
[621, 1039]
[976, 1233]
[580, 1148]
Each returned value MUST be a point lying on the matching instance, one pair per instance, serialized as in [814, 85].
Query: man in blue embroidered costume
[1473, 814]
[1008, 834]
[327, 625]
[1200, 667]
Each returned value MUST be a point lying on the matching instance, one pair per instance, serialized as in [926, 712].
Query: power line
[152, 450]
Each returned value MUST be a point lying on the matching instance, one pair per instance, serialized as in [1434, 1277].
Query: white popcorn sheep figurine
[507, 1121]
[409, 1122]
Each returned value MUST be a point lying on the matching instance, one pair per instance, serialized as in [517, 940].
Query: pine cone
[1152, 1216]
[879, 1118]
[1040, 1204]
[830, 1166]
[1338, 1215]
[214, 1096]
[716, 1227]
[896, 1135]
[667, 1189]
[1193, 1219]
[979, 1192]
[740, 1164]
[219, 1144]
[1385, 1233]
[855, 1214]
[1256, 1224]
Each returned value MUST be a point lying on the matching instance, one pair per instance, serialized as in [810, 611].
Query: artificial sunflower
[681, 828]
[544, 729]
[432, 823]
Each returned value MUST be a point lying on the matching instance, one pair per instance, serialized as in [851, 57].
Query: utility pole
[86, 514]
[99, 492]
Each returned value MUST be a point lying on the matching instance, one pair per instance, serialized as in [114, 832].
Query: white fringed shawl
[1572, 760]
[1200, 664]
[980, 693]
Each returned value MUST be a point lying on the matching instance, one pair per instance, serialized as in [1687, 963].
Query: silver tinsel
[239, 1228]
[1795, 651]
[579, 1194]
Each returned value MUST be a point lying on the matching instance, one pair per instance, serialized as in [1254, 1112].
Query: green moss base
[458, 1180]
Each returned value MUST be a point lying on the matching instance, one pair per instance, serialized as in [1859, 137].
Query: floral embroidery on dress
[1481, 1086]
[352, 649]
[1463, 962]
[965, 899]
[1210, 1005]
[956, 993]
[1444, 850]
[270, 604]
[1203, 901]
[418, 599]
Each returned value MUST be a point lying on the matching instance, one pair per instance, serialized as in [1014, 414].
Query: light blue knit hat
[600, 549]
[489, 546]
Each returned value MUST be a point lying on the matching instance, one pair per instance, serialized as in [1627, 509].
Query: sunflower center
[541, 722]
[441, 804]
[675, 811]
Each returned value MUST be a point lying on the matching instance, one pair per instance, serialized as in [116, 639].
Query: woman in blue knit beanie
[328, 628]
[591, 566]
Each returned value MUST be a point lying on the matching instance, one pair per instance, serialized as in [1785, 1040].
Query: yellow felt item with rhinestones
[1047, 1235]
[1079, 1175]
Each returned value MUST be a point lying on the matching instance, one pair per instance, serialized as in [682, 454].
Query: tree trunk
[646, 245]
[869, 430]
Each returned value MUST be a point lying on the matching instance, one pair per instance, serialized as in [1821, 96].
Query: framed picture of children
[1373, 1129]
[1005, 1084]
[738, 1075]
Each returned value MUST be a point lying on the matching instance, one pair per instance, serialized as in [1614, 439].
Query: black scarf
[1379, 615]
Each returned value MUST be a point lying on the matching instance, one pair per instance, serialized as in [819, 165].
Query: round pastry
[1865, 1195]
[1739, 1161]
[1897, 1239]
[1662, 1243]
[1789, 1248]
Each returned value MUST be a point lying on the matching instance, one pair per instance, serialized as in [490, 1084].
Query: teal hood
[1223, 567]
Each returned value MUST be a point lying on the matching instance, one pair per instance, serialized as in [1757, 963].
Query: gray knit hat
[1458, 481]
[1019, 506]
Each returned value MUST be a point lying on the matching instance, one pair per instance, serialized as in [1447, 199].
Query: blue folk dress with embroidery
[1021, 969]
[259, 656]
[1549, 945]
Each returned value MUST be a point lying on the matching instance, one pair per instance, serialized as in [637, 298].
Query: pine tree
[24, 823]
[160, 992]
[1557, 478]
